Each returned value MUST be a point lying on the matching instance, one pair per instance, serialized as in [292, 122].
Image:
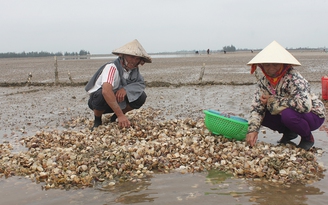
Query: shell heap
[70, 158]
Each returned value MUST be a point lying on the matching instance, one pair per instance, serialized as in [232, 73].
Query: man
[118, 87]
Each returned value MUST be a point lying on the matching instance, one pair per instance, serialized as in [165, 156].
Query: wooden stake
[202, 71]
[56, 71]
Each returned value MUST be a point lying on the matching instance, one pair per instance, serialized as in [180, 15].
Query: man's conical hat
[134, 48]
[274, 53]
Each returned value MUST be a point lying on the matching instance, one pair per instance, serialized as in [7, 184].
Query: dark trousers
[289, 119]
[98, 102]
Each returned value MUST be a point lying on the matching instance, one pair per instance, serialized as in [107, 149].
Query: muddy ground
[173, 85]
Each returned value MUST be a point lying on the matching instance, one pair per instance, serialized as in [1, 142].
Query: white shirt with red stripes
[109, 75]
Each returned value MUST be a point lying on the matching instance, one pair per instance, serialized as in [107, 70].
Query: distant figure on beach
[208, 51]
[283, 100]
[196, 52]
[29, 77]
[225, 52]
[118, 87]
[251, 51]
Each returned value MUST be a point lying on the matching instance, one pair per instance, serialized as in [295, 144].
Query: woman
[283, 100]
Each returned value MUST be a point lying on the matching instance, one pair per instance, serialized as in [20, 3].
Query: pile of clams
[80, 158]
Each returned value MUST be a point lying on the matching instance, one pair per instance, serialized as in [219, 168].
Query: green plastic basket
[228, 127]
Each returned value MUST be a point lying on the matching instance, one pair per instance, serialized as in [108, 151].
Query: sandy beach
[173, 86]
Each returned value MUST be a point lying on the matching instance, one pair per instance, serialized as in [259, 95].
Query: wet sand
[226, 86]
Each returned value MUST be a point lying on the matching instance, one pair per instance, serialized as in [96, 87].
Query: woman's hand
[251, 138]
[264, 99]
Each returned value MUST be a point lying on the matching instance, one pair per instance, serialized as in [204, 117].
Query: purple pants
[289, 119]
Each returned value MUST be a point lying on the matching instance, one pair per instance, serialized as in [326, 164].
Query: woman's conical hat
[134, 48]
[274, 53]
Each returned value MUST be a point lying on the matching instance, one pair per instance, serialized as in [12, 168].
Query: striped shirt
[109, 75]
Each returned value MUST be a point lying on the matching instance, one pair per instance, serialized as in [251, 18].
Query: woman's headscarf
[278, 75]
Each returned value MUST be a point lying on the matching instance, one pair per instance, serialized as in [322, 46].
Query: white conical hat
[133, 48]
[274, 53]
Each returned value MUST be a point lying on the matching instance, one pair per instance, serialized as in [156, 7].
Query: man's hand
[120, 95]
[123, 121]
[112, 100]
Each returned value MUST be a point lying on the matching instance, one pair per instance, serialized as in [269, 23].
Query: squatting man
[118, 87]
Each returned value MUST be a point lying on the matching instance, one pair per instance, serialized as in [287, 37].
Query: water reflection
[210, 188]
[213, 187]
[269, 193]
[217, 176]
[174, 55]
[111, 56]
[129, 192]
[262, 192]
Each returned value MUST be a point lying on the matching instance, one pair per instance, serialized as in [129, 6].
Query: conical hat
[274, 53]
[134, 48]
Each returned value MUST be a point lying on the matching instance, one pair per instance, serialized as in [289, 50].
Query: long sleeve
[257, 111]
[293, 91]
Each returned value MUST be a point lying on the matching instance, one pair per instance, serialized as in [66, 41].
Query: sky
[100, 26]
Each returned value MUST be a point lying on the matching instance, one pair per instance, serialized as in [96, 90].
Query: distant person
[283, 100]
[225, 52]
[251, 51]
[196, 52]
[118, 87]
[208, 51]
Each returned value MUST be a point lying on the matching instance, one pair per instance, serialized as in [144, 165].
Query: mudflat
[174, 86]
